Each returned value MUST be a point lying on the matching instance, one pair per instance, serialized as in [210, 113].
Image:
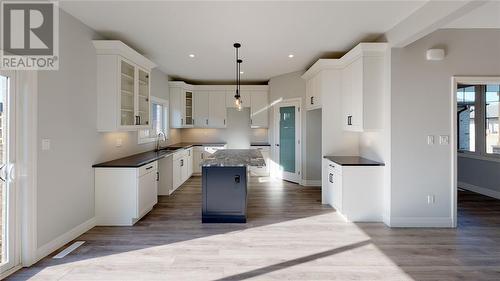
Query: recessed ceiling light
[191, 55]
[241, 72]
[291, 56]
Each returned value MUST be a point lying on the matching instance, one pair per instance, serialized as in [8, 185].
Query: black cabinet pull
[330, 177]
[182, 162]
[149, 168]
[312, 100]
[157, 176]
[207, 122]
[237, 179]
[349, 120]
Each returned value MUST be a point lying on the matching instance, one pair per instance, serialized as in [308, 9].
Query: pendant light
[237, 97]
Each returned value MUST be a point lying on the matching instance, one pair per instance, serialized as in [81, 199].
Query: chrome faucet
[163, 138]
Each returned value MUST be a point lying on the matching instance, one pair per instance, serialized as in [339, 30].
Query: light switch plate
[430, 139]
[444, 140]
[45, 144]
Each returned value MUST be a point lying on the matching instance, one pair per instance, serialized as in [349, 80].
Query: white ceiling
[486, 16]
[167, 32]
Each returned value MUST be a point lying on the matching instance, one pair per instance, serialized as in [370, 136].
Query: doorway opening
[476, 149]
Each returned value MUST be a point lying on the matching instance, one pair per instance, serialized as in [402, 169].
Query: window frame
[166, 112]
[480, 117]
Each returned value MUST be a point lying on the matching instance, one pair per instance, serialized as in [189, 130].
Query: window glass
[492, 105]
[159, 114]
[466, 98]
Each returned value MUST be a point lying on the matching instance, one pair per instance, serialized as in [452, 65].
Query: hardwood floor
[289, 236]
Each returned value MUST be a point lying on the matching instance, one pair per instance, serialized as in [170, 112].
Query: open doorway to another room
[312, 148]
[477, 139]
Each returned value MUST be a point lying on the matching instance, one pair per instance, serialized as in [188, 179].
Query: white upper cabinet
[362, 93]
[123, 87]
[205, 106]
[259, 110]
[217, 109]
[181, 105]
[201, 109]
[362, 78]
[313, 92]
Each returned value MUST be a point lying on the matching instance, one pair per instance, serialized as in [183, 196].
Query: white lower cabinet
[125, 195]
[182, 167]
[165, 175]
[261, 171]
[356, 192]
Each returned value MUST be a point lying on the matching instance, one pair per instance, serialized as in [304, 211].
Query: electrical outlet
[45, 144]
[431, 199]
[119, 142]
[444, 140]
[430, 139]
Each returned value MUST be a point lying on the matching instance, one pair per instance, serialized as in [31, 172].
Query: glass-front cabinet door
[127, 96]
[143, 99]
[134, 96]
[188, 102]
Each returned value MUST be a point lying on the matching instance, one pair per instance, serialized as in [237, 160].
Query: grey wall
[313, 145]
[67, 116]
[421, 106]
[480, 173]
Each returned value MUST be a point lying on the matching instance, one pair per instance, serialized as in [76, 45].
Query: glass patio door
[288, 145]
[8, 239]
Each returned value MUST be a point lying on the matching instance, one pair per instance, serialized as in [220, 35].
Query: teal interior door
[287, 138]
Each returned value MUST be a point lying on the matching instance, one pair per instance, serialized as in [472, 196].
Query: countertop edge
[368, 161]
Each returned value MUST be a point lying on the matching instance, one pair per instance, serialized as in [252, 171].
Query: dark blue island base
[224, 194]
[224, 184]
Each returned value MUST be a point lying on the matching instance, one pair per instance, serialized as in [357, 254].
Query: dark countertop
[353, 161]
[260, 144]
[140, 159]
[235, 158]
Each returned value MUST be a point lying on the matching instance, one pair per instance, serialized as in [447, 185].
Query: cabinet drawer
[148, 168]
[334, 168]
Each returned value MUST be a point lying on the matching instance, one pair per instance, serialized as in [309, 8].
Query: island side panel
[224, 194]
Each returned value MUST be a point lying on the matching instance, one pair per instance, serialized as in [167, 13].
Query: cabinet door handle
[182, 121]
[237, 179]
[349, 120]
[157, 176]
[182, 162]
[312, 100]
[330, 177]
[207, 122]
[224, 121]
[149, 168]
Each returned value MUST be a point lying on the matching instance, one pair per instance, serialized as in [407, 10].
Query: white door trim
[12, 244]
[275, 169]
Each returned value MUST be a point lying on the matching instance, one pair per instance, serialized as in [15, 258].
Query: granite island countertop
[235, 158]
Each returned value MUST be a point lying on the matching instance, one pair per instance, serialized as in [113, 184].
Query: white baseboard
[63, 239]
[311, 183]
[421, 222]
[480, 190]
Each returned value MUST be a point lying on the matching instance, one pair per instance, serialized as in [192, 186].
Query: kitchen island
[224, 184]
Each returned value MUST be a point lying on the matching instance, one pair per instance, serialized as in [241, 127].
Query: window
[477, 119]
[466, 103]
[159, 112]
[492, 105]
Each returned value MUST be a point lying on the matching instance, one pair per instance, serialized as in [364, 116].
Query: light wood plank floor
[289, 236]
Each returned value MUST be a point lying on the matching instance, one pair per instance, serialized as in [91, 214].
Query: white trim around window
[144, 136]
